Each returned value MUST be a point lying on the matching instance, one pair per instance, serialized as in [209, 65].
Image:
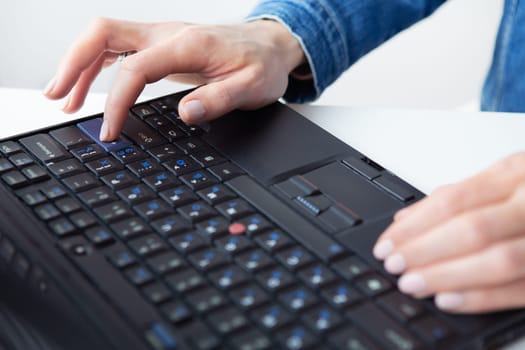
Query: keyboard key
[188, 242]
[207, 340]
[97, 196]
[66, 168]
[120, 179]
[198, 180]
[92, 127]
[382, 328]
[296, 337]
[196, 211]
[207, 159]
[144, 167]
[99, 236]
[249, 296]
[322, 319]
[181, 165]
[213, 228]
[255, 224]
[5, 165]
[207, 299]
[340, 295]
[161, 181]
[81, 182]
[275, 279]
[120, 257]
[130, 228]
[226, 171]
[161, 337]
[190, 145]
[432, 329]
[139, 275]
[143, 111]
[15, 179]
[185, 280]
[208, 259]
[272, 317]
[52, 190]
[103, 166]
[113, 212]
[147, 245]
[298, 298]
[295, 258]
[317, 276]
[9, 147]
[153, 209]
[254, 260]
[235, 209]
[136, 194]
[62, 227]
[88, 152]
[252, 339]
[401, 306]
[170, 225]
[129, 154]
[21, 159]
[47, 211]
[176, 312]
[142, 134]
[83, 219]
[178, 196]
[297, 186]
[70, 137]
[172, 132]
[44, 148]
[273, 241]
[350, 339]
[166, 262]
[373, 284]
[157, 121]
[32, 197]
[234, 244]
[337, 218]
[227, 320]
[68, 205]
[351, 267]
[164, 152]
[228, 277]
[216, 194]
[157, 293]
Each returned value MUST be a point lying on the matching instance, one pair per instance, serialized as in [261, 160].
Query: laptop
[254, 231]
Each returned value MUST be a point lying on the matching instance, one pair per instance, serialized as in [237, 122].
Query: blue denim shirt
[334, 34]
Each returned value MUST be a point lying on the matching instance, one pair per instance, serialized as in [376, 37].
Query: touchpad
[353, 190]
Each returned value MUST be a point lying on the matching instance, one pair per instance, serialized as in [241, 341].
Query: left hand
[464, 243]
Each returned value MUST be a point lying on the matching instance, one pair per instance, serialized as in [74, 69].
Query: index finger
[103, 35]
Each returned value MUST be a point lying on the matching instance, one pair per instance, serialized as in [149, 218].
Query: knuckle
[101, 25]
[515, 164]
[193, 36]
[508, 261]
[448, 199]
[476, 232]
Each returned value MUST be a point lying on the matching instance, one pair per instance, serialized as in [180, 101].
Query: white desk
[426, 148]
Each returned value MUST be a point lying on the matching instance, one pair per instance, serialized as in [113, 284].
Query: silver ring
[125, 54]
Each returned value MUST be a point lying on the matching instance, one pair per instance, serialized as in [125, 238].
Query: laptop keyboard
[224, 263]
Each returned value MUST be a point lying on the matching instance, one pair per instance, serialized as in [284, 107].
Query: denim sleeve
[334, 34]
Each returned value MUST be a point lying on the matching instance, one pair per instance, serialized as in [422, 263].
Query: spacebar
[302, 230]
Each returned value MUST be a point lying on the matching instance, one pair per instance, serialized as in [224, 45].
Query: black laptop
[252, 232]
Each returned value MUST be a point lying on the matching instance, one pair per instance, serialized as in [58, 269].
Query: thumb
[212, 101]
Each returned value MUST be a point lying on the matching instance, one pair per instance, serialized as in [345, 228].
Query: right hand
[239, 66]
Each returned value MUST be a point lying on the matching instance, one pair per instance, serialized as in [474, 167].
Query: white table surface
[426, 148]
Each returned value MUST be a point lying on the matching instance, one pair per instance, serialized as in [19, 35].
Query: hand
[465, 243]
[243, 66]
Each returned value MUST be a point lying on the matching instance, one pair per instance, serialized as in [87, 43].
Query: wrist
[286, 45]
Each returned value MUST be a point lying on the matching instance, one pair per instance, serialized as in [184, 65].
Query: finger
[80, 91]
[218, 98]
[138, 70]
[464, 234]
[103, 35]
[452, 200]
[501, 263]
[497, 298]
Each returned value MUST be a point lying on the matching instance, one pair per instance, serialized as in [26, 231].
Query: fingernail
[194, 111]
[104, 132]
[449, 301]
[383, 249]
[411, 283]
[395, 264]
[49, 87]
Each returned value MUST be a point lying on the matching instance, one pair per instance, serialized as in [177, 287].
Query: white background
[438, 63]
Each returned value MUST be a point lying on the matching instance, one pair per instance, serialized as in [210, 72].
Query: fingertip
[48, 90]
[192, 111]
